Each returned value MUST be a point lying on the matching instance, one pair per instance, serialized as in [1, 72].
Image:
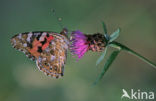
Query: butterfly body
[48, 49]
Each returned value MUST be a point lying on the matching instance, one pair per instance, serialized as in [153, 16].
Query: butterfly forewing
[47, 48]
[23, 42]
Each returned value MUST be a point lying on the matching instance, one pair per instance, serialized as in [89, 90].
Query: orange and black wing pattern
[48, 49]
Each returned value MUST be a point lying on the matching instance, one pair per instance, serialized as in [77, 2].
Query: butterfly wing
[52, 59]
[47, 48]
[23, 42]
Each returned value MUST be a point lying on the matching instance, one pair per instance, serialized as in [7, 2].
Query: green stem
[123, 47]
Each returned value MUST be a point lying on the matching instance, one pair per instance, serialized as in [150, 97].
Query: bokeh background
[20, 79]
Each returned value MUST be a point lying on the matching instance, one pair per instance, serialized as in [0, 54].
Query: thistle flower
[81, 43]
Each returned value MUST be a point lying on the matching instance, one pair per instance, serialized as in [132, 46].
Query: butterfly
[48, 49]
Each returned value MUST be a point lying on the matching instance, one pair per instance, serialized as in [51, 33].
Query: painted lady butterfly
[48, 49]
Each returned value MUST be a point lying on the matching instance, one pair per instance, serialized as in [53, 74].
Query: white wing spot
[24, 45]
[14, 41]
[44, 34]
[20, 36]
[47, 49]
[52, 58]
[29, 36]
[44, 59]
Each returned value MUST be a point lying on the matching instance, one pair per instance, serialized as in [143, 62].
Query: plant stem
[125, 48]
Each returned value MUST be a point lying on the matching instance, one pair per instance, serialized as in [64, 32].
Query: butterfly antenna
[59, 19]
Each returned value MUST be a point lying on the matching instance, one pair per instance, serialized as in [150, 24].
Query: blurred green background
[20, 79]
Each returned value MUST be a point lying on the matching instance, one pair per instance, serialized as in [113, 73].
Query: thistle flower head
[79, 45]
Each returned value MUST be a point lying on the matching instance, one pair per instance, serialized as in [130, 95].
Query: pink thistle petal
[79, 44]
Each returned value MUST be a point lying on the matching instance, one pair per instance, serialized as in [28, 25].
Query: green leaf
[107, 65]
[101, 57]
[104, 27]
[114, 46]
[114, 35]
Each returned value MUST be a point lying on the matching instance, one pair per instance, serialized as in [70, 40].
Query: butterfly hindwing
[52, 59]
[47, 48]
